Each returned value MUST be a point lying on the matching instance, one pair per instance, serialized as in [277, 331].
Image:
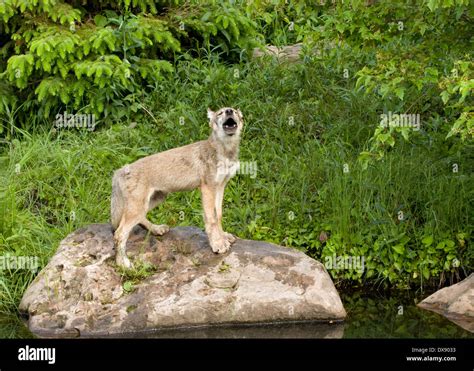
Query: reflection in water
[368, 316]
[275, 331]
[397, 316]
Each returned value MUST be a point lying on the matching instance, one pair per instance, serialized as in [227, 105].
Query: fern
[20, 68]
[102, 41]
[65, 14]
[153, 68]
[90, 57]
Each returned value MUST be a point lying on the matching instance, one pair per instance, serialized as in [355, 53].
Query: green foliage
[284, 22]
[131, 277]
[409, 56]
[457, 96]
[89, 59]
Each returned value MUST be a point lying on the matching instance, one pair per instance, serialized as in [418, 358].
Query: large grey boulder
[82, 293]
[455, 302]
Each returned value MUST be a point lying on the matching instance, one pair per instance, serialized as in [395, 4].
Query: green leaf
[383, 137]
[128, 286]
[391, 141]
[340, 27]
[100, 20]
[431, 71]
[405, 133]
[400, 92]
[445, 96]
[449, 244]
[225, 22]
[427, 240]
[426, 273]
[400, 249]
[432, 4]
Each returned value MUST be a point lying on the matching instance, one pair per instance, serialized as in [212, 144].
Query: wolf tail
[117, 201]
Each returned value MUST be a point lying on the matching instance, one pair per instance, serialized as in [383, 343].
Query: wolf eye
[220, 113]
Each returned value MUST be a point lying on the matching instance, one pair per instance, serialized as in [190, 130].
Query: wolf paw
[159, 230]
[220, 245]
[230, 237]
[124, 262]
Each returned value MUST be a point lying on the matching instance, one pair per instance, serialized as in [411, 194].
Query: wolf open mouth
[230, 126]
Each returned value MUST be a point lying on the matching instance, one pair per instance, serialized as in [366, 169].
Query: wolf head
[226, 123]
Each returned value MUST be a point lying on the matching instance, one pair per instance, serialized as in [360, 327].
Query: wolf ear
[210, 114]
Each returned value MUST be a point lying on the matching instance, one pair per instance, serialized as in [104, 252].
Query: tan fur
[139, 187]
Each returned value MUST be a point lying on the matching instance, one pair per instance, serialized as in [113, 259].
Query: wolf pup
[209, 164]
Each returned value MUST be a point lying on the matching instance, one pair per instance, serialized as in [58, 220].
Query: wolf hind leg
[154, 199]
[156, 229]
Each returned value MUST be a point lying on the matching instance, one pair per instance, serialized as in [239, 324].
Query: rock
[81, 293]
[455, 302]
[287, 53]
[294, 53]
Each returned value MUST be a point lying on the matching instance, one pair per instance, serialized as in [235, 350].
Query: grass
[304, 128]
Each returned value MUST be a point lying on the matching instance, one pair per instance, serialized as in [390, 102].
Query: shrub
[102, 58]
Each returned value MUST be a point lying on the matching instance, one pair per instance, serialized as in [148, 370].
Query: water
[395, 316]
[369, 316]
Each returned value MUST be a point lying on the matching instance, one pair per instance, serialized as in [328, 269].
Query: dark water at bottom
[368, 316]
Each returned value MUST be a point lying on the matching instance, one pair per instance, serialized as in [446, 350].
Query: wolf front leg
[219, 244]
[218, 202]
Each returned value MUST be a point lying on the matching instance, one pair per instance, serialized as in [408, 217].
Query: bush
[103, 58]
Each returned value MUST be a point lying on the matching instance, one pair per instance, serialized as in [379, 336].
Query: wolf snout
[229, 112]
[230, 126]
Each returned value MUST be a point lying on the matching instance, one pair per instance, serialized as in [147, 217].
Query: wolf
[208, 165]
